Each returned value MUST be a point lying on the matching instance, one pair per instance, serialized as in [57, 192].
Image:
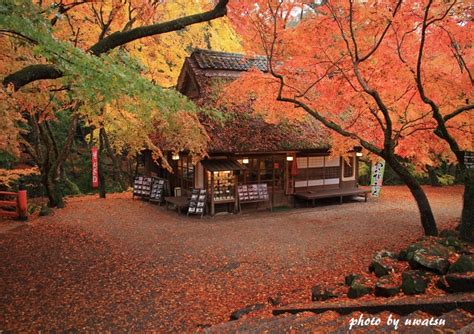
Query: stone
[350, 278]
[464, 264]
[453, 243]
[428, 259]
[246, 310]
[383, 263]
[402, 256]
[386, 287]
[442, 284]
[385, 253]
[449, 233]
[382, 266]
[460, 282]
[359, 288]
[319, 293]
[414, 282]
[429, 244]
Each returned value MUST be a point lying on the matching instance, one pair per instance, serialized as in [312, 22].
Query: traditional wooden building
[250, 160]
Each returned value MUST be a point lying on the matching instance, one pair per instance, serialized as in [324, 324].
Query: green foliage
[390, 178]
[446, 179]
[32, 184]
[6, 160]
[45, 211]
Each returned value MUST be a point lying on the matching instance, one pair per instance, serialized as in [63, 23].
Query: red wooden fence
[13, 205]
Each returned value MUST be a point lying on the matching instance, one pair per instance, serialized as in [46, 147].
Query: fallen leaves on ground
[123, 264]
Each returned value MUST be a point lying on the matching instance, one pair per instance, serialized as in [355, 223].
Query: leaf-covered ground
[123, 264]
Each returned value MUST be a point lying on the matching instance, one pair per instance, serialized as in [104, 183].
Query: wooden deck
[313, 195]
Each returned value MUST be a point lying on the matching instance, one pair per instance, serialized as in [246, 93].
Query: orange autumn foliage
[326, 56]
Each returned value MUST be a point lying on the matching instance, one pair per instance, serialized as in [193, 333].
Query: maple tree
[353, 66]
[105, 78]
[446, 34]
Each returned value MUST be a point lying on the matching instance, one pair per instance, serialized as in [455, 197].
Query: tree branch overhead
[44, 71]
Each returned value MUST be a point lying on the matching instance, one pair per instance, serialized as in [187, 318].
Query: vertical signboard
[377, 177]
[469, 159]
[95, 167]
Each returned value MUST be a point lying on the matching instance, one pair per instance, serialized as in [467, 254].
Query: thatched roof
[242, 130]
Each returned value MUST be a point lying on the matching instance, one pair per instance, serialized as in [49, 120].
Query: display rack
[142, 186]
[158, 190]
[223, 186]
[197, 202]
[252, 193]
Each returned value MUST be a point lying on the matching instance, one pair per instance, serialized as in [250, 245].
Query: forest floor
[121, 264]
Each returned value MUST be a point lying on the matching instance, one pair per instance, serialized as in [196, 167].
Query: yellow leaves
[8, 176]
[9, 124]
[164, 55]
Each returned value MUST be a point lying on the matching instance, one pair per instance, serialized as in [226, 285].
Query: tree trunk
[55, 197]
[426, 214]
[466, 230]
[118, 174]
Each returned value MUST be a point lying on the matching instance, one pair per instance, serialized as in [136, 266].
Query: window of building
[317, 171]
[265, 169]
[185, 172]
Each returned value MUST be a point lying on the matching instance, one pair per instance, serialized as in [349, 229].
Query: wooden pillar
[22, 204]
[236, 180]
[324, 171]
[273, 182]
[341, 170]
[307, 176]
[213, 211]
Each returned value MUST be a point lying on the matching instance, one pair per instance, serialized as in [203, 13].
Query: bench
[312, 195]
[179, 202]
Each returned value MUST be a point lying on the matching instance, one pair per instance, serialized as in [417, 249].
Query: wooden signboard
[95, 167]
[197, 203]
[469, 159]
[142, 186]
[158, 190]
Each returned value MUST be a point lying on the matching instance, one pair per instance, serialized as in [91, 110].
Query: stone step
[458, 315]
[405, 305]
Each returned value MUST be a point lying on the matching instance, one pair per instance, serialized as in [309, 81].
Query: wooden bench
[331, 193]
[179, 202]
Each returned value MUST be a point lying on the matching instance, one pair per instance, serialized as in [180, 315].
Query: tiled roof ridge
[220, 60]
[225, 53]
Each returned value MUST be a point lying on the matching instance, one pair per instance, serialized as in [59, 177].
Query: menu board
[197, 203]
[253, 192]
[157, 190]
[142, 186]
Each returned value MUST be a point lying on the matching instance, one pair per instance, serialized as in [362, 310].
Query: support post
[22, 203]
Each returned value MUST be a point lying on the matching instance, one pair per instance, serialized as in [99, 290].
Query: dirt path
[129, 265]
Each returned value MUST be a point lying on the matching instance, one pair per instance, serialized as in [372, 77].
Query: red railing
[13, 205]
